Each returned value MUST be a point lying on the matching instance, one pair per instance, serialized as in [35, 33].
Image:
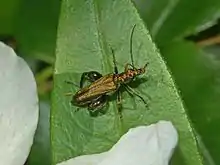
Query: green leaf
[197, 75]
[169, 20]
[87, 30]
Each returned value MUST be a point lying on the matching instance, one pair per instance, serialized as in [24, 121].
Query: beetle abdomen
[99, 87]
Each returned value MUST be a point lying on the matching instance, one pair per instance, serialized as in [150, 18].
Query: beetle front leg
[90, 76]
[126, 67]
[133, 92]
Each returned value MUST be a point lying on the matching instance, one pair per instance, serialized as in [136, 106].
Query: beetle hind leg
[119, 103]
[89, 76]
[96, 106]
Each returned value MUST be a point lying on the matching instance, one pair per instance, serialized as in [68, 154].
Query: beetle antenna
[114, 62]
[131, 49]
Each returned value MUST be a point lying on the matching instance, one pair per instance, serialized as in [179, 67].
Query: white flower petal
[143, 145]
[18, 108]
[93, 159]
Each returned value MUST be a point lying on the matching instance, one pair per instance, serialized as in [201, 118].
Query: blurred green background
[186, 32]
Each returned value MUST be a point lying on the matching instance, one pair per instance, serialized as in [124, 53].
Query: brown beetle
[95, 94]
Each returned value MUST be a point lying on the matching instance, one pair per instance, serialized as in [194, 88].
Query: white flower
[143, 145]
[18, 108]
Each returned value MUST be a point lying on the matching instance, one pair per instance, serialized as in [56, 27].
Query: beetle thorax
[129, 75]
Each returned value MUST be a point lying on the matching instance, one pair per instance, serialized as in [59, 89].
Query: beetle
[95, 94]
[96, 104]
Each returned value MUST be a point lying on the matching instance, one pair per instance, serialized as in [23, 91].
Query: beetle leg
[83, 78]
[90, 76]
[119, 103]
[93, 76]
[70, 93]
[96, 105]
[133, 92]
[72, 83]
[126, 67]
